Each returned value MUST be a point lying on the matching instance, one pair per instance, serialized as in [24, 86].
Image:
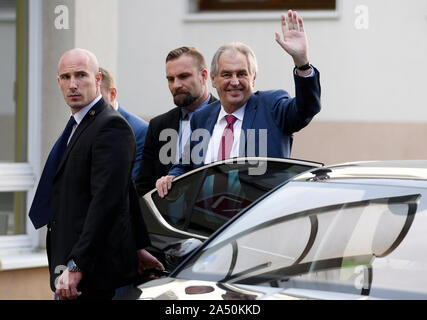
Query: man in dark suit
[139, 126]
[248, 123]
[168, 133]
[96, 234]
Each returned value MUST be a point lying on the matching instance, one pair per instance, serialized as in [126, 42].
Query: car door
[202, 200]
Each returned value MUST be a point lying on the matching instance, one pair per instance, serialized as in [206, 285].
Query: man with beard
[168, 133]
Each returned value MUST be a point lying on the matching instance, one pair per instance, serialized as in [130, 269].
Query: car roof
[390, 169]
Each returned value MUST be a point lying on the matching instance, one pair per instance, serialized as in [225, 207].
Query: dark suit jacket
[139, 128]
[151, 168]
[95, 218]
[274, 111]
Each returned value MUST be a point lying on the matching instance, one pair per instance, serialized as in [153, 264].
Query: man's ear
[98, 79]
[205, 74]
[253, 80]
[113, 93]
[213, 80]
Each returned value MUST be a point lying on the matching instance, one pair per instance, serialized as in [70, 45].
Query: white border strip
[257, 16]
[35, 72]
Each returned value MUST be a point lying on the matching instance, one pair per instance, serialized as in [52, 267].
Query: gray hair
[235, 47]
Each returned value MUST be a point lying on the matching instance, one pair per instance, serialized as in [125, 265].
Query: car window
[202, 202]
[326, 248]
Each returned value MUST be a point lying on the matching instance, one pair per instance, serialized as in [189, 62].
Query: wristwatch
[72, 267]
[304, 67]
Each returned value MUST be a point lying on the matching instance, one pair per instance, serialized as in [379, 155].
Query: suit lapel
[173, 121]
[211, 120]
[88, 118]
[248, 121]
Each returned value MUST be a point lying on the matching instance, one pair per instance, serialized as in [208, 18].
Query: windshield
[205, 200]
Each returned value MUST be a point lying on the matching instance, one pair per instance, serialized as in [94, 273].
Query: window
[19, 120]
[207, 5]
[204, 201]
[12, 205]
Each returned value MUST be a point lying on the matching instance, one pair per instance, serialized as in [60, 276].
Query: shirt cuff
[307, 76]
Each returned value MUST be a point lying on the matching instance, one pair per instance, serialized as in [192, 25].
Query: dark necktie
[40, 212]
[227, 138]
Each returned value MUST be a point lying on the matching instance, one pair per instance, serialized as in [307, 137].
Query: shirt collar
[239, 113]
[185, 111]
[79, 115]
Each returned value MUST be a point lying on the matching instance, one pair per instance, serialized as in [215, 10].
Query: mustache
[74, 93]
[180, 91]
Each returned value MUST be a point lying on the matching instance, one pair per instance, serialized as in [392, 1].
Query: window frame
[157, 224]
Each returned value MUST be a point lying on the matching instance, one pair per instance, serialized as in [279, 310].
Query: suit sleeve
[146, 179]
[142, 240]
[113, 151]
[140, 141]
[293, 114]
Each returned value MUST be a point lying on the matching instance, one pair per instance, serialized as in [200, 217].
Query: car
[202, 200]
[347, 231]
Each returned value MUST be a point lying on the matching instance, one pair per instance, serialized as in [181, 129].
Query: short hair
[189, 51]
[235, 47]
[107, 79]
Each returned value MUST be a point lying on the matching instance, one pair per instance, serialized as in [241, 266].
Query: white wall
[366, 75]
[96, 30]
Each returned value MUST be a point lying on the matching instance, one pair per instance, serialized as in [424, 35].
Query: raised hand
[294, 40]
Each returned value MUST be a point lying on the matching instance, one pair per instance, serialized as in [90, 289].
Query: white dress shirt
[215, 141]
[79, 115]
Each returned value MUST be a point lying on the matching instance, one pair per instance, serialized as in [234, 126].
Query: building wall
[372, 78]
[25, 284]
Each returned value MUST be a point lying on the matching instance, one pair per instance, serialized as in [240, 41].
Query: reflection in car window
[205, 200]
[329, 248]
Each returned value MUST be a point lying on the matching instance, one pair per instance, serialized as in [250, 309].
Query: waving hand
[294, 39]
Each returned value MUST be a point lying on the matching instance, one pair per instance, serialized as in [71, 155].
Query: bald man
[96, 234]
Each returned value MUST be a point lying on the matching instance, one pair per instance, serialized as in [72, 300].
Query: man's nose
[73, 83]
[234, 81]
[177, 84]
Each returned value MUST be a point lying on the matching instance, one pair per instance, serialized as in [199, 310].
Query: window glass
[330, 248]
[12, 82]
[266, 4]
[204, 201]
[12, 211]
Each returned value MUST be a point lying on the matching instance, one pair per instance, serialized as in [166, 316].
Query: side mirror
[177, 252]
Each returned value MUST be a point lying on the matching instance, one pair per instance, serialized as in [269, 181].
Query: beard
[184, 99]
